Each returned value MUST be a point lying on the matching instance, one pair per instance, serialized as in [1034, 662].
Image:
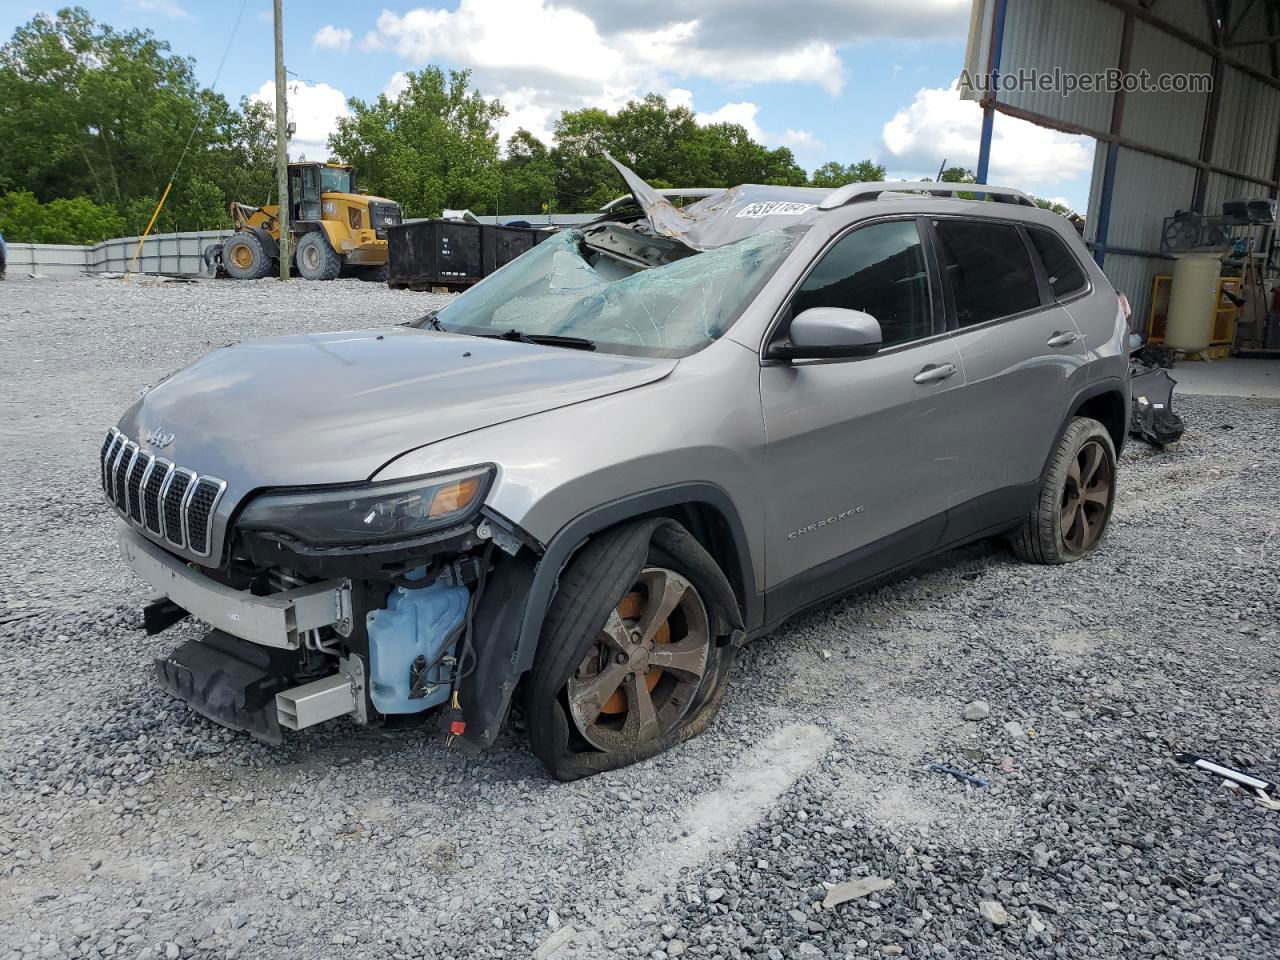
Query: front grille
[170, 501]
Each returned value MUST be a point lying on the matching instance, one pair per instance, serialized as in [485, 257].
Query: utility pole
[282, 145]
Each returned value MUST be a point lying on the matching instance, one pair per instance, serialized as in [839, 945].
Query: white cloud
[330, 37]
[742, 113]
[524, 110]
[397, 85]
[680, 97]
[165, 8]
[266, 15]
[939, 126]
[801, 139]
[315, 108]
[594, 56]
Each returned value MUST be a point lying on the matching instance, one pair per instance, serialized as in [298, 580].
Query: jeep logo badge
[159, 439]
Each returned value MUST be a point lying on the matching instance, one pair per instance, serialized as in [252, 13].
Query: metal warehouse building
[1157, 152]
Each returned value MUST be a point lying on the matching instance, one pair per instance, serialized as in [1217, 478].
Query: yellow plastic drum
[1193, 301]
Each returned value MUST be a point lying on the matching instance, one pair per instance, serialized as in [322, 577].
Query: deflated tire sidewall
[590, 587]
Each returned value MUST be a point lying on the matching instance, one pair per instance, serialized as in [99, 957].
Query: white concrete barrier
[181, 253]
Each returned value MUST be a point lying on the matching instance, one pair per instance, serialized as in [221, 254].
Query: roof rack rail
[853, 192]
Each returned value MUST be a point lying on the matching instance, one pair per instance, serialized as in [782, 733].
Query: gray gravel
[130, 827]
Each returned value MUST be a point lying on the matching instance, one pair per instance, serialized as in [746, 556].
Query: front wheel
[316, 259]
[244, 258]
[635, 652]
[1075, 499]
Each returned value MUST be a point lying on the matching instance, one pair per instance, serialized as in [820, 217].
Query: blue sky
[831, 79]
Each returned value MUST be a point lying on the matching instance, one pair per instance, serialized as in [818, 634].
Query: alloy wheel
[639, 678]
[1086, 497]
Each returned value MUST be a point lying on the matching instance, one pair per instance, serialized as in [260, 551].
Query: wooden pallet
[1215, 352]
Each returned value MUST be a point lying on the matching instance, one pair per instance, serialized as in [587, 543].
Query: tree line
[94, 122]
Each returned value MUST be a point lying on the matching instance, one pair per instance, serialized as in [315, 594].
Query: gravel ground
[130, 827]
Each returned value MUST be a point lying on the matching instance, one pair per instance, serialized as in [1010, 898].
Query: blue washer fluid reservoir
[417, 622]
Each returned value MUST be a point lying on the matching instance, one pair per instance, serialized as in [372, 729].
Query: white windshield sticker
[774, 208]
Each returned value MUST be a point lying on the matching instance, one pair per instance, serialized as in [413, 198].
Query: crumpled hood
[334, 407]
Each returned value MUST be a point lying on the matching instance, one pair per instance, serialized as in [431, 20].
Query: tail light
[1124, 306]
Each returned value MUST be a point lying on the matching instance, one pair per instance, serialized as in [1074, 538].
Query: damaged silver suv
[593, 476]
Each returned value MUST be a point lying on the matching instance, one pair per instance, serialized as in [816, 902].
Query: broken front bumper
[278, 620]
[242, 673]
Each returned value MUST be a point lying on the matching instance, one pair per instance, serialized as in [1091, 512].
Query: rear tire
[375, 274]
[588, 707]
[316, 259]
[243, 257]
[1076, 496]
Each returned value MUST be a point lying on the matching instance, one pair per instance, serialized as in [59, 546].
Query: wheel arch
[705, 509]
[269, 245]
[1106, 401]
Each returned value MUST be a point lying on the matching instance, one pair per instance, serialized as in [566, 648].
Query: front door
[858, 452]
[304, 193]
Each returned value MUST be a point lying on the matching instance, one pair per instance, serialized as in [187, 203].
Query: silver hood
[334, 407]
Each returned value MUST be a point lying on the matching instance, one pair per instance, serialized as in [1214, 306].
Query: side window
[1060, 265]
[880, 270]
[989, 268]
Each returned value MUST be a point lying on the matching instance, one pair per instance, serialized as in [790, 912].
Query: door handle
[1062, 339]
[935, 372]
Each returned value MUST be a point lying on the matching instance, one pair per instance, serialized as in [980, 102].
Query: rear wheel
[634, 655]
[378, 274]
[316, 259]
[1076, 497]
[244, 258]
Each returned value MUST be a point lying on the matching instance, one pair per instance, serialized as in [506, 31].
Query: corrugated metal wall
[1085, 36]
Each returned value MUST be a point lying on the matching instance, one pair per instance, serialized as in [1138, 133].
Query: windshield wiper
[430, 320]
[545, 339]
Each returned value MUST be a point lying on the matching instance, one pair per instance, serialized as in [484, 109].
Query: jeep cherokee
[597, 473]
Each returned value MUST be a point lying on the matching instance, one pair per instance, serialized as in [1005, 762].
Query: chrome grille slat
[133, 484]
[171, 502]
[123, 462]
[152, 484]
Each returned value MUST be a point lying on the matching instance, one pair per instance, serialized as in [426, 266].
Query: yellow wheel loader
[334, 229]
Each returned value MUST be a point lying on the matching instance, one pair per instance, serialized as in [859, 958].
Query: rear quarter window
[1065, 274]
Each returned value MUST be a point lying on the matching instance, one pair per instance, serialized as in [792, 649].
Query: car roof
[729, 215]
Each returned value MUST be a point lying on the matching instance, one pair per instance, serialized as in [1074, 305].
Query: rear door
[1023, 360]
[859, 452]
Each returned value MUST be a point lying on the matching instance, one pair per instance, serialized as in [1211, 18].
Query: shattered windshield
[565, 287]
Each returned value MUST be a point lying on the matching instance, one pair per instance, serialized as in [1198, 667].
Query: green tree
[835, 174]
[663, 144]
[528, 176]
[24, 219]
[88, 111]
[433, 146]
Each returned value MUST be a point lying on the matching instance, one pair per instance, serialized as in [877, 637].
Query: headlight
[372, 512]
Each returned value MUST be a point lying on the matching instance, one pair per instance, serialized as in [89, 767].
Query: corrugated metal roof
[1082, 37]
[1147, 190]
[1172, 120]
[1248, 123]
[1132, 276]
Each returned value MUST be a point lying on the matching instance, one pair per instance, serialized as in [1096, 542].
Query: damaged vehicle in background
[596, 474]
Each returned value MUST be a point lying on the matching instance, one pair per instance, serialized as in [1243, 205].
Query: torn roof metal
[735, 213]
[726, 216]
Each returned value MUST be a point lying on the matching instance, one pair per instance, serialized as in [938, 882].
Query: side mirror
[829, 333]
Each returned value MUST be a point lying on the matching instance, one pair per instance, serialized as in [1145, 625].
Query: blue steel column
[1112, 148]
[989, 101]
